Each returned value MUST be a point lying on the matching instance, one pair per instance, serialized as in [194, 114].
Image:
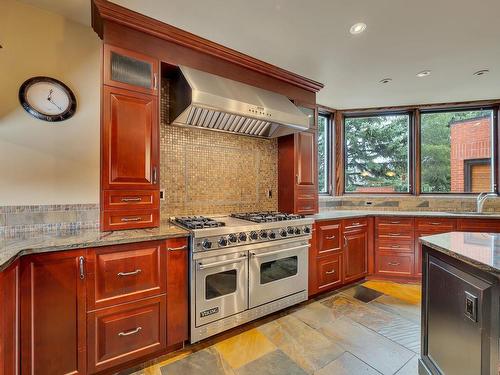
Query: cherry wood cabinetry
[129, 141]
[9, 320]
[338, 254]
[53, 333]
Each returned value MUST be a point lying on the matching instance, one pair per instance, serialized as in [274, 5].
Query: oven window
[220, 284]
[278, 269]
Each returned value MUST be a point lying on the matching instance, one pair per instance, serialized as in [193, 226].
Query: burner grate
[267, 216]
[198, 222]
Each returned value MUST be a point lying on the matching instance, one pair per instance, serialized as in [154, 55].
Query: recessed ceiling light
[357, 28]
[481, 72]
[385, 80]
[424, 73]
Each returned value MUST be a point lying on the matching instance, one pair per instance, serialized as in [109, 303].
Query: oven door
[221, 287]
[277, 271]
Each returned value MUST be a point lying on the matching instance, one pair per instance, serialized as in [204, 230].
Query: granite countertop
[345, 214]
[29, 243]
[481, 250]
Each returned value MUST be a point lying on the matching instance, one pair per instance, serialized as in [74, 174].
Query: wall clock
[47, 99]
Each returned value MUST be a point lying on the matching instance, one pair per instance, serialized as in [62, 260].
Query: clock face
[47, 99]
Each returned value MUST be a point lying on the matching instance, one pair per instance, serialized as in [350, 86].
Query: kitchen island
[460, 304]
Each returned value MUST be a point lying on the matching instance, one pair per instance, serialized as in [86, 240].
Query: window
[456, 151]
[377, 154]
[324, 129]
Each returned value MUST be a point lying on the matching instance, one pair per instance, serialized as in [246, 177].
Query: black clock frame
[69, 112]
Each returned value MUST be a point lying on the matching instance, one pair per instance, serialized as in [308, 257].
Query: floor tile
[244, 348]
[409, 293]
[363, 293]
[314, 315]
[274, 363]
[303, 344]
[377, 351]
[207, 361]
[399, 307]
[347, 364]
[410, 368]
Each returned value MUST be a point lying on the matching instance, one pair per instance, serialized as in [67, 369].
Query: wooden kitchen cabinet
[177, 291]
[9, 320]
[53, 316]
[355, 254]
[297, 171]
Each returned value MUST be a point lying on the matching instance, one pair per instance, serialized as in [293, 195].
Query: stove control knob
[223, 241]
[242, 237]
[232, 238]
[297, 231]
[272, 235]
[290, 230]
[253, 235]
[206, 244]
[307, 230]
[263, 234]
[283, 233]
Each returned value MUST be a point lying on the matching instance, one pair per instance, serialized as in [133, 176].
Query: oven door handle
[277, 251]
[202, 266]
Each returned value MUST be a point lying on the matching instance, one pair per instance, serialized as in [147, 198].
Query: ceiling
[453, 38]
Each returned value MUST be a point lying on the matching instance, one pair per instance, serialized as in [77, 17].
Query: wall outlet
[162, 194]
[368, 203]
[269, 193]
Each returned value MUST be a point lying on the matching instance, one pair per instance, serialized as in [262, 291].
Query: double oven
[235, 285]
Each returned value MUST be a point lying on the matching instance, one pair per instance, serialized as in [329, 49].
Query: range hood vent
[203, 100]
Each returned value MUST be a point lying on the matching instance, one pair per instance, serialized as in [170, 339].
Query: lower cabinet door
[392, 263]
[53, 313]
[329, 272]
[355, 255]
[126, 332]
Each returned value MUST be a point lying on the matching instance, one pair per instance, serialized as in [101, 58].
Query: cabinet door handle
[177, 248]
[346, 244]
[131, 199]
[297, 179]
[137, 271]
[155, 81]
[155, 176]
[330, 272]
[127, 219]
[393, 263]
[330, 237]
[132, 332]
[81, 267]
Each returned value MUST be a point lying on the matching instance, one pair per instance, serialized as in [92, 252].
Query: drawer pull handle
[395, 234]
[127, 219]
[355, 224]
[132, 332]
[129, 273]
[393, 263]
[177, 248]
[330, 237]
[395, 246]
[435, 223]
[330, 272]
[395, 222]
[131, 199]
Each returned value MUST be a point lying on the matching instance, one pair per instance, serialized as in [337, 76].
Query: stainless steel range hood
[207, 101]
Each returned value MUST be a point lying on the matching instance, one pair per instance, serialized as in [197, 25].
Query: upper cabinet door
[130, 70]
[129, 140]
[306, 159]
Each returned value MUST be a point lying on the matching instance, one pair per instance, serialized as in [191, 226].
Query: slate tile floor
[369, 328]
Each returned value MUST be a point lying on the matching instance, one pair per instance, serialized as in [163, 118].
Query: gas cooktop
[267, 216]
[198, 222]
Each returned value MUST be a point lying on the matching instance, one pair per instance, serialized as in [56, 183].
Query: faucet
[481, 199]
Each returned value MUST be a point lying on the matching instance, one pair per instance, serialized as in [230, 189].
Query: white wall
[40, 162]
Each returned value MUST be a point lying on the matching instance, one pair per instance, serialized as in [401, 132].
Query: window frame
[494, 152]
[411, 148]
[330, 134]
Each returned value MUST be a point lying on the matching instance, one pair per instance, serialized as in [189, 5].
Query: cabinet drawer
[124, 273]
[133, 199]
[356, 223]
[394, 244]
[329, 272]
[430, 224]
[479, 225]
[394, 263]
[130, 219]
[328, 237]
[123, 333]
[307, 206]
[394, 224]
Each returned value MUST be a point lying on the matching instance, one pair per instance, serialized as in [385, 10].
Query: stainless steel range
[245, 266]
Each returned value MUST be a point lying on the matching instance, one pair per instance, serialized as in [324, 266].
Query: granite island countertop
[480, 250]
[346, 214]
[12, 248]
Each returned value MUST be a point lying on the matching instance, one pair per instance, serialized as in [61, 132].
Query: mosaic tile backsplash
[210, 172]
